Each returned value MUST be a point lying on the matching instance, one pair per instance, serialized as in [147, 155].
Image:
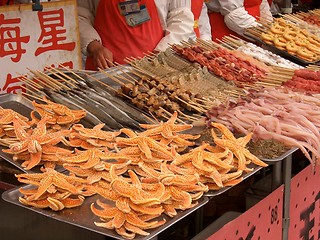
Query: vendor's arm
[89, 38]
[177, 21]
[265, 11]
[235, 16]
[204, 24]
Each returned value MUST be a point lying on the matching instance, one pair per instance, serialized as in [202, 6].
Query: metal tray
[84, 218]
[213, 193]
[24, 107]
[281, 157]
[280, 52]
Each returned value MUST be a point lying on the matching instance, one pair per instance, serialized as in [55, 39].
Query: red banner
[262, 221]
[305, 205]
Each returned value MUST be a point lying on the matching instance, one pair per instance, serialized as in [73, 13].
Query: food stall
[142, 150]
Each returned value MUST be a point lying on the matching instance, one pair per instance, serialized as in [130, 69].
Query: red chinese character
[13, 85]
[52, 32]
[10, 39]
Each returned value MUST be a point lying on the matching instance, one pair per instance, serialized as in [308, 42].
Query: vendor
[201, 26]
[234, 16]
[110, 31]
[6, 2]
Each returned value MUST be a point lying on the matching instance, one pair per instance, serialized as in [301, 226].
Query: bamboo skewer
[28, 84]
[45, 78]
[35, 96]
[61, 78]
[66, 76]
[30, 81]
[111, 76]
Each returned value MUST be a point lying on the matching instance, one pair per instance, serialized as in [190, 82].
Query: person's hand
[102, 57]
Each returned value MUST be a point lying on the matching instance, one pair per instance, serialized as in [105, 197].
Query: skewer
[111, 76]
[28, 84]
[33, 96]
[65, 75]
[142, 70]
[75, 74]
[187, 116]
[61, 78]
[33, 83]
[192, 106]
[106, 85]
[170, 115]
[123, 78]
[48, 79]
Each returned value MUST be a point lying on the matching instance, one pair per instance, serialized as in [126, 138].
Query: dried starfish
[32, 142]
[95, 132]
[237, 146]
[57, 113]
[166, 129]
[146, 144]
[49, 179]
[91, 157]
[103, 189]
[136, 195]
[7, 116]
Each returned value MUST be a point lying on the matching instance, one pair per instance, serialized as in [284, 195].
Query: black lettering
[308, 223]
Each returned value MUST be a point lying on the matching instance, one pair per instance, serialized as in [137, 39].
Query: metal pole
[277, 175]
[286, 201]
[198, 220]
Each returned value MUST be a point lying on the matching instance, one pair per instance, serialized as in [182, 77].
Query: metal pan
[281, 157]
[84, 218]
[280, 52]
[213, 193]
[22, 106]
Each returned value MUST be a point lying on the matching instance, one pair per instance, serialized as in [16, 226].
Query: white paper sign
[36, 39]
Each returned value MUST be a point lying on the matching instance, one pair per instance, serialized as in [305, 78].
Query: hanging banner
[305, 205]
[262, 221]
[36, 39]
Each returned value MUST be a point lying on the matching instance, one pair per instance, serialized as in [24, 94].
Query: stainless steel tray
[213, 193]
[281, 157]
[24, 107]
[280, 52]
[84, 218]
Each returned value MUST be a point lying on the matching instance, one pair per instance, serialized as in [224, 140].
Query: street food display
[304, 80]
[259, 53]
[145, 174]
[289, 38]
[225, 63]
[130, 140]
[275, 113]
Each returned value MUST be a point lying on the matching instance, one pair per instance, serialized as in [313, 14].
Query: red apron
[120, 38]
[218, 27]
[5, 2]
[196, 8]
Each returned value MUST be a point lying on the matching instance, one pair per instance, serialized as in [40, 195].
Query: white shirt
[235, 16]
[175, 17]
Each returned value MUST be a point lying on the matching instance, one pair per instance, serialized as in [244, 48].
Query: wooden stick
[66, 76]
[63, 79]
[111, 76]
[28, 84]
[106, 85]
[49, 80]
[72, 72]
[35, 97]
[187, 116]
